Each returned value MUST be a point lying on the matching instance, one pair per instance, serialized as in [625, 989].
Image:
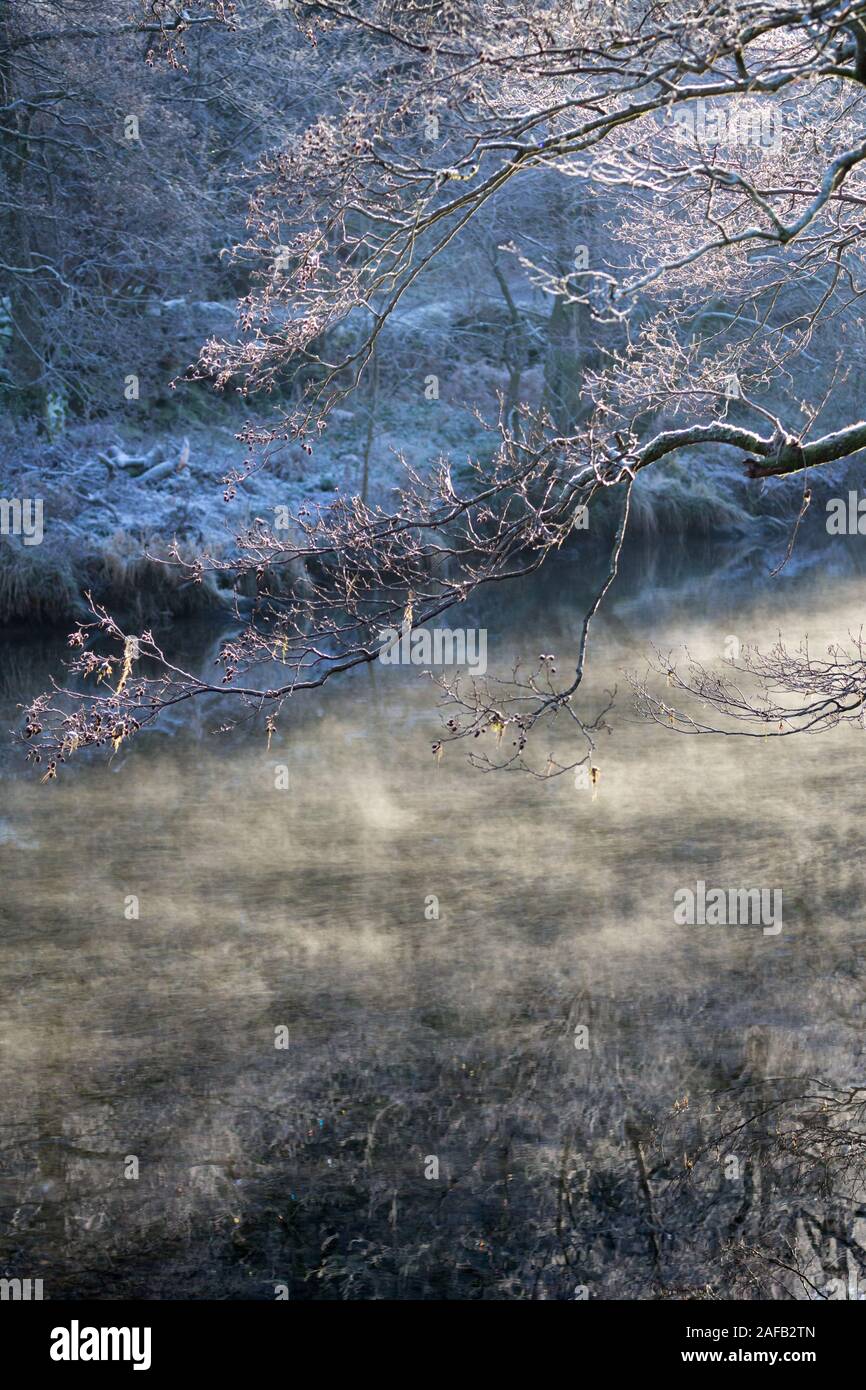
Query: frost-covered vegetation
[346, 317]
[183, 158]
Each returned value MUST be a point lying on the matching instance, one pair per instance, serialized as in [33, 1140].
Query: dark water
[432, 1130]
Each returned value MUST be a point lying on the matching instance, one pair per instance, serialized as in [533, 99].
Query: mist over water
[564, 1170]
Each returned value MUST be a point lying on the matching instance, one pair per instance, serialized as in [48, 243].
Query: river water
[242, 1057]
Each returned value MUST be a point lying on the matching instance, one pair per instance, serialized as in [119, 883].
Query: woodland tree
[712, 155]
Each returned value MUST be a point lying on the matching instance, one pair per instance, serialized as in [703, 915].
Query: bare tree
[720, 144]
[118, 138]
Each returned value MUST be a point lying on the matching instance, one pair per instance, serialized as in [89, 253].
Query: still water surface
[419, 1047]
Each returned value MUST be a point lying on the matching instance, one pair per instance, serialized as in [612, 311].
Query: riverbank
[114, 502]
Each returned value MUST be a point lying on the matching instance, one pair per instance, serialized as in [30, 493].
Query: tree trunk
[25, 360]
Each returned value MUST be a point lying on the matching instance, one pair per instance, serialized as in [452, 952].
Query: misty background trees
[494, 269]
[460, 273]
